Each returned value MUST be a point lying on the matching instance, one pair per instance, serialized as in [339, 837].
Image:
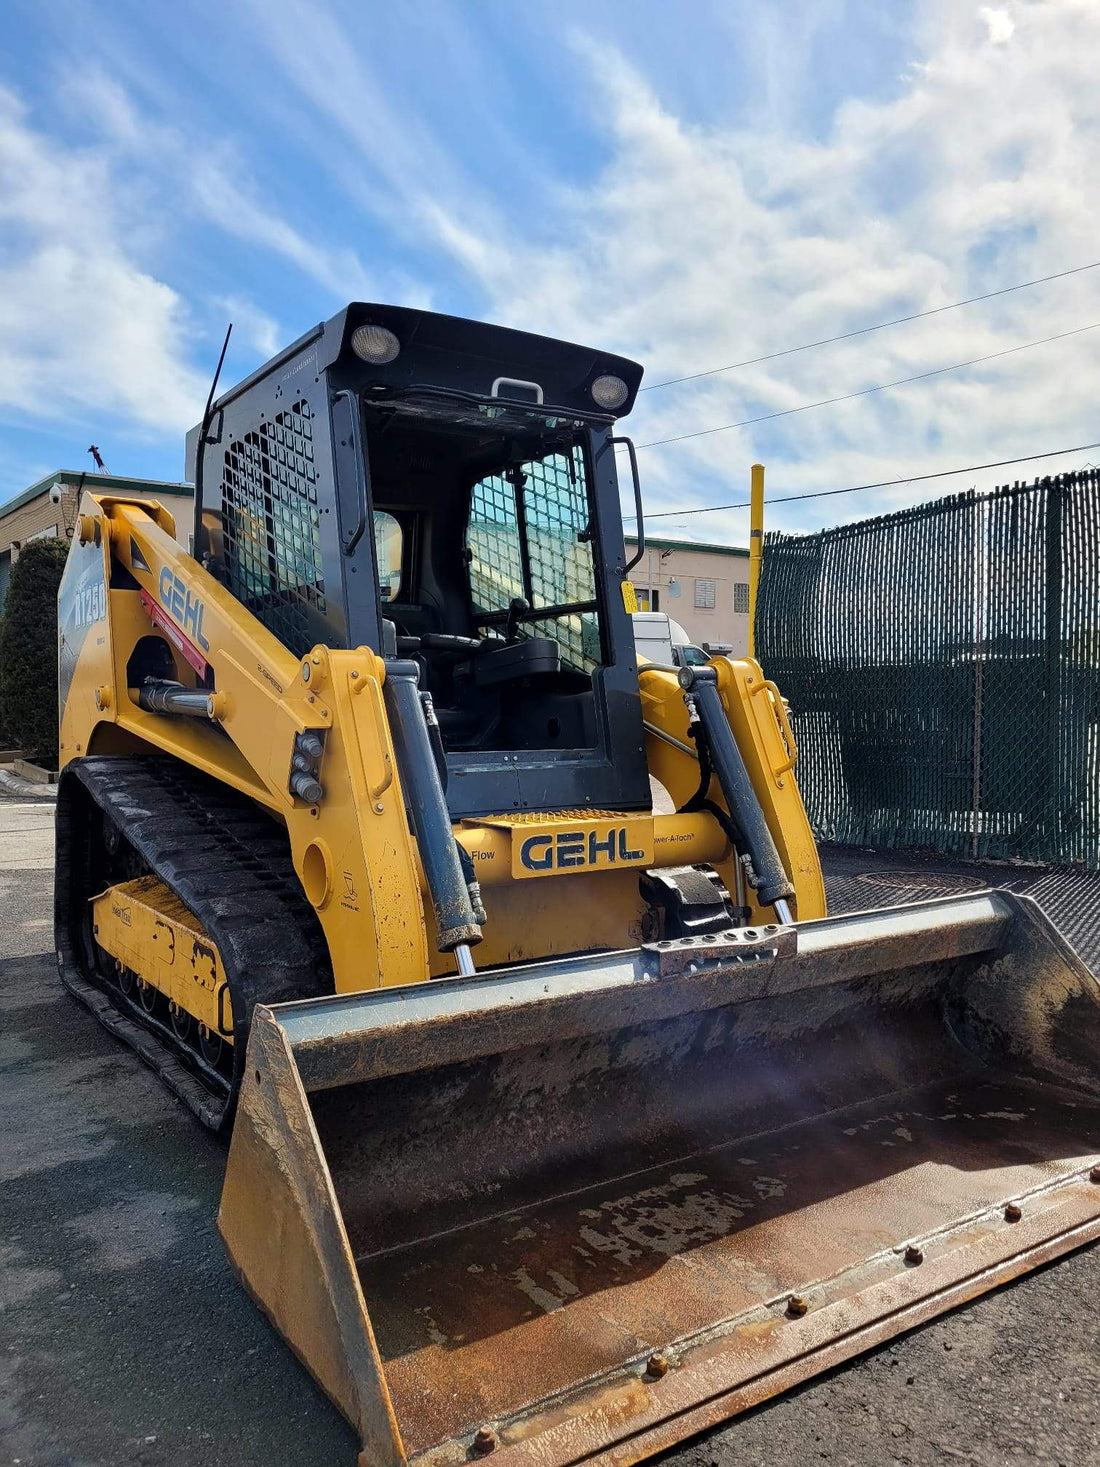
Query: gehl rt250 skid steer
[561, 1128]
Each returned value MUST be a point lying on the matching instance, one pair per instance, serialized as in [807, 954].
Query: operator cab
[487, 572]
[470, 522]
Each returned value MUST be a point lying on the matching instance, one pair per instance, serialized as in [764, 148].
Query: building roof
[103, 483]
[652, 542]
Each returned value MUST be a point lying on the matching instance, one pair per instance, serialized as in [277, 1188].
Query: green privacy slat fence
[943, 670]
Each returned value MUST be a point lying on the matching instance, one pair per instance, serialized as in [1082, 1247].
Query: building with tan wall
[703, 587]
[49, 509]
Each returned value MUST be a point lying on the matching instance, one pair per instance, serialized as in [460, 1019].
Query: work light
[609, 392]
[375, 344]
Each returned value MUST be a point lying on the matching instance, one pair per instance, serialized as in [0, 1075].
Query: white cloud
[234, 210]
[697, 246]
[263, 334]
[83, 328]
[91, 330]
[999, 25]
[679, 236]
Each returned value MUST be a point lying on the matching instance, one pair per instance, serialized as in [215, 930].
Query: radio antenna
[200, 452]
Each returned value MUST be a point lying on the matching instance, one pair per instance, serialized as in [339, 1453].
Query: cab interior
[488, 567]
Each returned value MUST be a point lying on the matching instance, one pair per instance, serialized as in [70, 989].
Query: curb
[27, 789]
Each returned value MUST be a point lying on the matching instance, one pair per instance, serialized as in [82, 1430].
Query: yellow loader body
[564, 1121]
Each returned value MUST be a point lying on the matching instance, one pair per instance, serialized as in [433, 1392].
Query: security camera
[55, 493]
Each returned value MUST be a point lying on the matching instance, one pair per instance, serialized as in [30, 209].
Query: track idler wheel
[180, 1020]
[210, 1046]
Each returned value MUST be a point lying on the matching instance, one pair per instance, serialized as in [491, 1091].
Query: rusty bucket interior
[583, 1209]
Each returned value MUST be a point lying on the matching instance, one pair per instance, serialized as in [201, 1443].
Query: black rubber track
[227, 861]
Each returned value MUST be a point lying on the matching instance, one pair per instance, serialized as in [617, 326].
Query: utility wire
[866, 391]
[669, 514]
[865, 330]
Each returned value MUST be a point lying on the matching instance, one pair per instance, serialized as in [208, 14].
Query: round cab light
[610, 392]
[375, 344]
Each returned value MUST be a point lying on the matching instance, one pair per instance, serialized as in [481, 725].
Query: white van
[659, 639]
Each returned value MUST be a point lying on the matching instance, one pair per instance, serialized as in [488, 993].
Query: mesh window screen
[547, 522]
[496, 569]
[271, 527]
[556, 502]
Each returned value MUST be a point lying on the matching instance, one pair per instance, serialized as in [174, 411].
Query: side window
[388, 541]
[741, 598]
[528, 536]
[492, 539]
[555, 497]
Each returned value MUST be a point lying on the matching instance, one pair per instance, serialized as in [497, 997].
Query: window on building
[704, 595]
[648, 598]
[741, 598]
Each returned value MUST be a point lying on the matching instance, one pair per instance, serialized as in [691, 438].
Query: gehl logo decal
[568, 848]
[188, 610]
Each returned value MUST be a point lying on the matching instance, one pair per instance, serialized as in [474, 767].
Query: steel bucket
[583, 1209]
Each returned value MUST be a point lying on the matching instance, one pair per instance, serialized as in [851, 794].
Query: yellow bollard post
[756, 547]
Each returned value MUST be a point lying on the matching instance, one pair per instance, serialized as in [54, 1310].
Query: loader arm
[352, 849]
[756, 715]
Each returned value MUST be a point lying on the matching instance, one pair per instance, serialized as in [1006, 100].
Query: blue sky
[691, 184]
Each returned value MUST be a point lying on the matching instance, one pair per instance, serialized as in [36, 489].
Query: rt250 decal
[187, 609]
[90, 603]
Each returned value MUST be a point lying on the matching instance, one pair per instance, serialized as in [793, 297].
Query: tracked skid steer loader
[562, 1127]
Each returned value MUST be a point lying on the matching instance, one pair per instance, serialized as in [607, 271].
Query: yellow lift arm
[352, 849]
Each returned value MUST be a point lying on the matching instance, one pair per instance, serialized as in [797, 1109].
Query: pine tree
[28, 650]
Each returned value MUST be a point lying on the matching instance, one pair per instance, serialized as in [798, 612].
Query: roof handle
[516, 382]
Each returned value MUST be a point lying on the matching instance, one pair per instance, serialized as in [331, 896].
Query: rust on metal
[513, 1199]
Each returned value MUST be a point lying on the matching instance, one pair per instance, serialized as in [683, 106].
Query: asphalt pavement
[124, 1337]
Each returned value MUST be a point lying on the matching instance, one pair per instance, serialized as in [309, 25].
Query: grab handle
[779, 711]
[351, 469]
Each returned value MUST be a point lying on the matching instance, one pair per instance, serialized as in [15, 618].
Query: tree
[28, 649]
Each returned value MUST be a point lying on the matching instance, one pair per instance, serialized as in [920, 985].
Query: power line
[669, 514]
[865, 330]
[866, 391]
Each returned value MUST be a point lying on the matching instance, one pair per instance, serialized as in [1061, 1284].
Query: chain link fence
[943, 670]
